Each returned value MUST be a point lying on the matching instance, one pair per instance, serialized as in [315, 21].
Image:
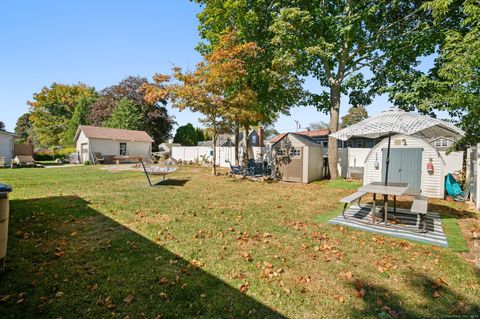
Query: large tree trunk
[214, 162]
[333, 126]
[237, 136]
[245, 156]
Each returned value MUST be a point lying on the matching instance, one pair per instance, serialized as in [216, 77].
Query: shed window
[295, 152]
[254, 139]
[281, 152]
[349, 143]
[123, 149]
[360, 143]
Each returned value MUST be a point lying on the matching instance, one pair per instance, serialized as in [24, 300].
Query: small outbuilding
[94, 142]
[413, 160]
[7, 142]
[297, 158]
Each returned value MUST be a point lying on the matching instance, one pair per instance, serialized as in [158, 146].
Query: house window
[369, 143]
[123, 149]
[360, 143]
[444, 142]
[325, 144]
[295, 152]
[349, 143]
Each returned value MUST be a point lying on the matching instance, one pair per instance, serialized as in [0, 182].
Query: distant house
[94, 142]
[228, 140]
[7, 142]
[321, 137]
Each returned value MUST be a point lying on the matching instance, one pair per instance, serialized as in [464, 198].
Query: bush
[87, 163]
[48, 155]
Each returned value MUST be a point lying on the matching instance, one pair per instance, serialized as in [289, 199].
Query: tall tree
[200, 134]
[2, 126]
[155, 119]
[337, 42]
[126, 115]
[23, 128]
[453, 84]
[79, 118]
[276, 88]
[218, 88]
[52, 108]
[355, 114]
[186, 135]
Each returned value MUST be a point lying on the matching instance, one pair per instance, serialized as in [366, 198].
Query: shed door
[84, 152]
[291, 169]
[405, 167]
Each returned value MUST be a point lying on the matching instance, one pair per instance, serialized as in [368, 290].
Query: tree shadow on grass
[439, 300]
[67, 260]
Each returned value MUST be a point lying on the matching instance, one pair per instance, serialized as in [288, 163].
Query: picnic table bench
[128, 158]
[351, 198]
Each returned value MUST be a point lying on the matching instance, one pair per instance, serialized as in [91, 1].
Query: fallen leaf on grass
[197, 264]
[435, 294]
[164, 281]
[73, 234]
[128, 299]
[340, 298]
[247, 256]
[360, 293]
[244, 286]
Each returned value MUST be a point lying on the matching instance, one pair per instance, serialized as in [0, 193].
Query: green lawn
[90, 243]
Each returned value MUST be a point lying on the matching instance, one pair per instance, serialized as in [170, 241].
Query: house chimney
[260, 136]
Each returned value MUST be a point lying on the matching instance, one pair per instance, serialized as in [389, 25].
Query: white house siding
[112, 147]
[6, 146]
[432, 185]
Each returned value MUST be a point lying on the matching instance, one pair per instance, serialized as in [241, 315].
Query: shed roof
[306, 140]
[107, 133]
[7, 133]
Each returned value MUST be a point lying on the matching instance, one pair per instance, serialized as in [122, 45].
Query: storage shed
[409, 163]
[92, 141]
[7, 142]
[297, 158]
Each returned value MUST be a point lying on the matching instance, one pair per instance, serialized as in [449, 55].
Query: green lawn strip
[455, 238]
[325, 217]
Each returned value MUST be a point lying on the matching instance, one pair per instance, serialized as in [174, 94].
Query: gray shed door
[405, 167]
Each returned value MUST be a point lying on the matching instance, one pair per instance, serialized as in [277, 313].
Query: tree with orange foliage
[218, 88]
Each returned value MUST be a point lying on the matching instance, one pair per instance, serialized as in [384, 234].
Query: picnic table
[128, 158]
[391, 189]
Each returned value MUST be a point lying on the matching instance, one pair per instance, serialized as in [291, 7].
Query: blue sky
[100, 43]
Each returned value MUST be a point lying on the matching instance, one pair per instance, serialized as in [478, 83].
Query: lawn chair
[98, 158]
[154, 169]
[235, 169]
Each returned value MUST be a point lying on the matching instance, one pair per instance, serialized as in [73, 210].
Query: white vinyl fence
[473, 178]
[453, 162]
[198, 154]
[352, 161]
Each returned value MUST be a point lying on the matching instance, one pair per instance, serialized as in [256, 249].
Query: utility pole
[297, 125]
